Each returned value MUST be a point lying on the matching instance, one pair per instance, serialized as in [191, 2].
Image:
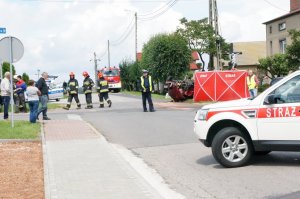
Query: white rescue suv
[236, 130]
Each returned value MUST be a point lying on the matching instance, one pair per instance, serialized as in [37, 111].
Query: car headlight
[201, 114]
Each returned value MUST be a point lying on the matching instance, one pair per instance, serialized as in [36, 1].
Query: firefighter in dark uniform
[72, 88]
[87, 89]
[102, 89]
[147, 88]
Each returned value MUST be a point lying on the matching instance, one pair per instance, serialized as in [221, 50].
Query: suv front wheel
[231, 148]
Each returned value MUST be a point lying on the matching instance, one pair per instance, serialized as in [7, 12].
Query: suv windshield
[111, 73]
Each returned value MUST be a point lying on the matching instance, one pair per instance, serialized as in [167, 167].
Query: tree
[6, 68]
[124, 74]
[274, 66]
[201, 38]
[25, 77]
[166, 55]
[293, 50]
[130, 72]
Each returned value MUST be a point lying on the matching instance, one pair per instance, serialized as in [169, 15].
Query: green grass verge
[21, 130]
[55, 106]
[136, 93]
[50, 106]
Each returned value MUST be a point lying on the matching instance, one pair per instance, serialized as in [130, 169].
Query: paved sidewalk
[79, 163]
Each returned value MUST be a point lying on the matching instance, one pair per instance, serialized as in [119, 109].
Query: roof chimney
[295, 5]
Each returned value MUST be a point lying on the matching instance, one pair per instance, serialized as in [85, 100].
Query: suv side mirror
[270, 99]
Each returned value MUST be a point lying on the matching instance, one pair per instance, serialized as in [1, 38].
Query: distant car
[56, 92]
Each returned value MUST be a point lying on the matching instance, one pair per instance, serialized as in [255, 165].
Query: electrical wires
[275, 5]
[158, 12]
[125, 35]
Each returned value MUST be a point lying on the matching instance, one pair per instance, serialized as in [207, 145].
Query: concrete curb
[18, 140]
[45, 164]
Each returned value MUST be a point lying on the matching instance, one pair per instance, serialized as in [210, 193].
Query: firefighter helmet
[72, 74]
[85, 74]
[100, 75]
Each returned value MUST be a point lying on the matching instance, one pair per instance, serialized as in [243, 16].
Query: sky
[61, 36]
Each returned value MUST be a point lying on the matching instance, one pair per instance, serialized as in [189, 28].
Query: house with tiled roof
[251, 53]
[277, 36]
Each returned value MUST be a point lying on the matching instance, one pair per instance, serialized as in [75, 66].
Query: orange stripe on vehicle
[212, 113]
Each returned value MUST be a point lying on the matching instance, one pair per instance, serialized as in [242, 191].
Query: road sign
[2, 30]
[16, 46]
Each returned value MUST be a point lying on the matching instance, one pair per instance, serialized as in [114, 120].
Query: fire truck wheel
[232, 148]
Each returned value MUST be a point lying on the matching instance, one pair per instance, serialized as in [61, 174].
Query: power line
[127, 32]
[157, 10]
[97, 1]
[275, 5]
[125, 37]
[161, 13]
[103, 54]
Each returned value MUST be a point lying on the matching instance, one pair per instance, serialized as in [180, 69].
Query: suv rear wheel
[231, 148]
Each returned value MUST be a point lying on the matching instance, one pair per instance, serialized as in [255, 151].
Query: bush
[263, 87]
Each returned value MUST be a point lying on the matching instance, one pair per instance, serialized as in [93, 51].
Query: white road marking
[74, 117]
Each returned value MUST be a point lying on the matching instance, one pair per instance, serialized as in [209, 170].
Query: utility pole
[96, 66]
[135, 16]
[38, 73]
[108, 53]
[214, 22]
[210, 18]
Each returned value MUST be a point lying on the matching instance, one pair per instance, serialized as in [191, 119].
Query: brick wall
[295, 5]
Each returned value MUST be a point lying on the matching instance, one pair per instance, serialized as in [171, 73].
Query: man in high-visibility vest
[252, 83]
[102, 89]
[87, 89]
[147, 88]
[72, 88]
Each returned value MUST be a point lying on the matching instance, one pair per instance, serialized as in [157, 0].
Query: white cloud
[61, 37]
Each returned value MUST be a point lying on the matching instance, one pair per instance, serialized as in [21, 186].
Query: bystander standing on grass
[5, 93]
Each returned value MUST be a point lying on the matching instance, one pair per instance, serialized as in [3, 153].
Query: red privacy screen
[220, 86]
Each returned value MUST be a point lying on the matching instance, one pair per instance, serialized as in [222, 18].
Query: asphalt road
[166, 142]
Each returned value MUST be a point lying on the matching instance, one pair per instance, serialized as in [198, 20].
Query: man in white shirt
[5, 93]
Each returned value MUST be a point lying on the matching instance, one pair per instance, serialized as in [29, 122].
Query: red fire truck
[112, 75]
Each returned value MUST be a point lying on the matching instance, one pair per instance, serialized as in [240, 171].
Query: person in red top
[20, 94]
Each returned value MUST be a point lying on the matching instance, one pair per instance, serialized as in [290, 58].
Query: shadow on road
[209, 160]
[272, 159]
[277, 159]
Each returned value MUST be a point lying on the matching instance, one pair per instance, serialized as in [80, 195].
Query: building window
[270, 29]
[282, 45]
[271, 47]
[282, 26]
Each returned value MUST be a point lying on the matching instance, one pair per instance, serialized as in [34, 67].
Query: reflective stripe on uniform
[143, 82]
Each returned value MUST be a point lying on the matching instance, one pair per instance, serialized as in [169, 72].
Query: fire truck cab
[112, 75]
